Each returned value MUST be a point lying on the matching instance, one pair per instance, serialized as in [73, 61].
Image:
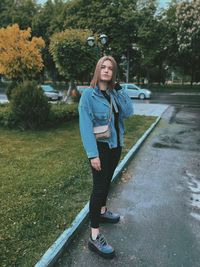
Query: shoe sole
[107, 220]
[103, 255]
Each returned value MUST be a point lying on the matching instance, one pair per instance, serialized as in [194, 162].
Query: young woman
[102, 104]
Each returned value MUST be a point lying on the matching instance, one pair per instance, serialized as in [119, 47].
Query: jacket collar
[97, 92]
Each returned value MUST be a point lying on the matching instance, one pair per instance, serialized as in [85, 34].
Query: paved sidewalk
[149, 109]
[157, 198]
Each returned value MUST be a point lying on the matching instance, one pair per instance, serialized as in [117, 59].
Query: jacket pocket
[101, 117]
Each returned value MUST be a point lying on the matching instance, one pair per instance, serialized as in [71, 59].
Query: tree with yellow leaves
[20, 56]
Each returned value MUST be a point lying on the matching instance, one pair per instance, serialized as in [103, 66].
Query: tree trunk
[192, 72]
[68, 92]
[160, 73]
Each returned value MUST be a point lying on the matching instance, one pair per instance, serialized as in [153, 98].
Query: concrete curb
[52, 254]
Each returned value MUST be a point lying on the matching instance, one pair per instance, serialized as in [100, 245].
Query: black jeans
[101, 180]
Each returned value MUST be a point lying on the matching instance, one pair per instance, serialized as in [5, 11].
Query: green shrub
[61, 113]
[5, 115]
[29, 106]
[10, 88]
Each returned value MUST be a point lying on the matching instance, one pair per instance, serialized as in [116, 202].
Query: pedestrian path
[157, 227]
[149, 109]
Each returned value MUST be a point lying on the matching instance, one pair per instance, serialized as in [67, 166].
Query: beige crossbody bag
[104, 130]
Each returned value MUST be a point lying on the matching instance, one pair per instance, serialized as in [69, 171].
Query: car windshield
[47, 88]
[131, 86]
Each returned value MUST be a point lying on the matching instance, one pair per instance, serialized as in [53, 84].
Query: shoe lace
[102, 239]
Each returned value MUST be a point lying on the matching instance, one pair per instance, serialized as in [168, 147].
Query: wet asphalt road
[177, 98]
[158, 198]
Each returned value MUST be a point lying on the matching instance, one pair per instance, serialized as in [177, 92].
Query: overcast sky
[162, 2]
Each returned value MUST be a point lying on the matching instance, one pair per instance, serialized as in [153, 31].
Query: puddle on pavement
[194, 186]
[185, 116]
[167, 141]
[179, 140]
[183, 131]
[161, 145]
[195, 215]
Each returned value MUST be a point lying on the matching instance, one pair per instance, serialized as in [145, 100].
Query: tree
[188, 36]
[72, 56]
[47, 21]
[17, 11]
[152, 49]
[20, 56]
[117, 19]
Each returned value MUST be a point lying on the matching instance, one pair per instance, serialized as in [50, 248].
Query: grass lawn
[45, 182]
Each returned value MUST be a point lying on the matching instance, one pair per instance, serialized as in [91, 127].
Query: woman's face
[106, 71]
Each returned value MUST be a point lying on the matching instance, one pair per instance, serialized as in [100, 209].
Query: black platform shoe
[109, 217]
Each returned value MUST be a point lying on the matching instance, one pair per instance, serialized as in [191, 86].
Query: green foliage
[167, 39]
[29, 106]
[46, 22]
[117, 19]
[73, 58]
[62, 113]
[20, 12]
[10, 89]
[188, 37]
[5, 115]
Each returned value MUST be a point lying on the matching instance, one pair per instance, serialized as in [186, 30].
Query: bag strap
[111, 108]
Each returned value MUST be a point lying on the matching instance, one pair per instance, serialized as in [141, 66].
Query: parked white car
[135, 91]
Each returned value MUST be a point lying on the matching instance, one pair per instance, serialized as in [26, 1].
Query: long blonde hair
[96, 76]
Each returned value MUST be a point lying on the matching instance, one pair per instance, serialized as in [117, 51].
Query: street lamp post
[126, 60]
[125, 65]
[102, 40]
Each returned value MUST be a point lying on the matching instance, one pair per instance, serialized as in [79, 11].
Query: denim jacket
[94, 110]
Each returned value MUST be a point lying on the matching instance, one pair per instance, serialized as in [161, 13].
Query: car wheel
[141, 96]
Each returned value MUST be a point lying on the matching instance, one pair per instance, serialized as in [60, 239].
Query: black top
[116, 116]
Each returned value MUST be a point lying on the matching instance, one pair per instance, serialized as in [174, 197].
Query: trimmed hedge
[59, 113]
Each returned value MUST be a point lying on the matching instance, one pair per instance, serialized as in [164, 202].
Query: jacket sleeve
[86, 127]
[124, 102]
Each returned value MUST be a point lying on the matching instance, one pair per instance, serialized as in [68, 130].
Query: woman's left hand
[96, 163]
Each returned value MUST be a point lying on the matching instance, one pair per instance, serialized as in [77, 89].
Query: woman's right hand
[96, 163]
